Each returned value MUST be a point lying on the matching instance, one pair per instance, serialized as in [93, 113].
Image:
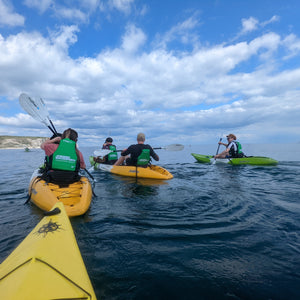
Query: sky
[181, 71]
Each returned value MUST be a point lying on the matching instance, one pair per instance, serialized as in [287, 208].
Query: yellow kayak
[76, 196]
[151, 172]
[47, 264]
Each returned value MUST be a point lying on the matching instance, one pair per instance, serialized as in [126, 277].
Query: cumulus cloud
[126, 89]
[7, 15]
[133, 39]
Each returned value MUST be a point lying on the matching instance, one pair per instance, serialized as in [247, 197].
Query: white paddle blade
[174, 147]
[102, 152]
[35, 108]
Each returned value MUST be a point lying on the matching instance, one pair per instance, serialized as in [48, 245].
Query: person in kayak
[233, 148]
[112, 157]
[140, 153]
[63, 158]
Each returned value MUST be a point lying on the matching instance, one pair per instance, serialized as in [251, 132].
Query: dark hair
[109, 140]
[71, 134]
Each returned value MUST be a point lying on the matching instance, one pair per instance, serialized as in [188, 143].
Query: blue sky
[180, 71]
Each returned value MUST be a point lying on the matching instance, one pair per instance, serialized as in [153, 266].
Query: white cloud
[133, 39]
[249, 25]
[274, 19]
[40, 5]
[292, 43]
[121, 5]
[183, 31]
[73, 14]
[125, 90]
[7, 15]
[65, 37]
[252, 24]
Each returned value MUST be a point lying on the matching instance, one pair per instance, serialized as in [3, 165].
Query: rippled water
[212, 232]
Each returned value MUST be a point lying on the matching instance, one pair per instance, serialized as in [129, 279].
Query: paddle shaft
[219, 146]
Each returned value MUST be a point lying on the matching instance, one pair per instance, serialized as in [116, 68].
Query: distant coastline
[20, 142]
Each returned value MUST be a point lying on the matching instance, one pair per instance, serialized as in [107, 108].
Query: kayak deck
[247, 160]
[47, 264]
[76, 197]
[151, 172]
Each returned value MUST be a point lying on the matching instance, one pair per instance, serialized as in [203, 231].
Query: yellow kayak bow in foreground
[47, 264]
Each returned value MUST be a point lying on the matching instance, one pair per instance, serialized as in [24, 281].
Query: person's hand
[56, 139]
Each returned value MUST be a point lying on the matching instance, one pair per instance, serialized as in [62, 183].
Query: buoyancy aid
[144, 158]
[236, 150]
[112, 155]
[64, 157]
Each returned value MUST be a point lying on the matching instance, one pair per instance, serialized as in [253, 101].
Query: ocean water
[212, 232]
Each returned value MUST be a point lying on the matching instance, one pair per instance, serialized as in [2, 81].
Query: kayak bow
[47, 264]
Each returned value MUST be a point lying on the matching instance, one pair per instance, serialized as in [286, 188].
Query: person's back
[63, 159]
[112, 157]
[235, 149]
[138, 154]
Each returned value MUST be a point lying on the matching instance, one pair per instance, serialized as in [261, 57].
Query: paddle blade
[36, 108]
[102, 152]
[174, 147]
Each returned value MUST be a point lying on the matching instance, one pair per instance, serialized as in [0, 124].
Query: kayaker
[64, 159]
[112, 157]
[139, 153]
[233, 148]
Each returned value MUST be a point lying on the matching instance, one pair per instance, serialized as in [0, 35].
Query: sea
[214, 231]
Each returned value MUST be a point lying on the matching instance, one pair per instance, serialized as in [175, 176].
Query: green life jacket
[112, 155]
[239, 147]
[65, 157]
[144, 158]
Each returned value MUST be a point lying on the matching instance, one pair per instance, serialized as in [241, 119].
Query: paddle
[172, 147]
[218, 146]
[37, 109]
[217, 150]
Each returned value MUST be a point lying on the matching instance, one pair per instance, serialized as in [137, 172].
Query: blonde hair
[141, 137]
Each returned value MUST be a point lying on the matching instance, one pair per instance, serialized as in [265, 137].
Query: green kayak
[247, 160]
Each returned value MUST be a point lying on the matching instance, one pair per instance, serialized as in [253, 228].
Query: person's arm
[53, 141]
[224, 144]
[82, 163]
[153, 154]
[125, 152]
